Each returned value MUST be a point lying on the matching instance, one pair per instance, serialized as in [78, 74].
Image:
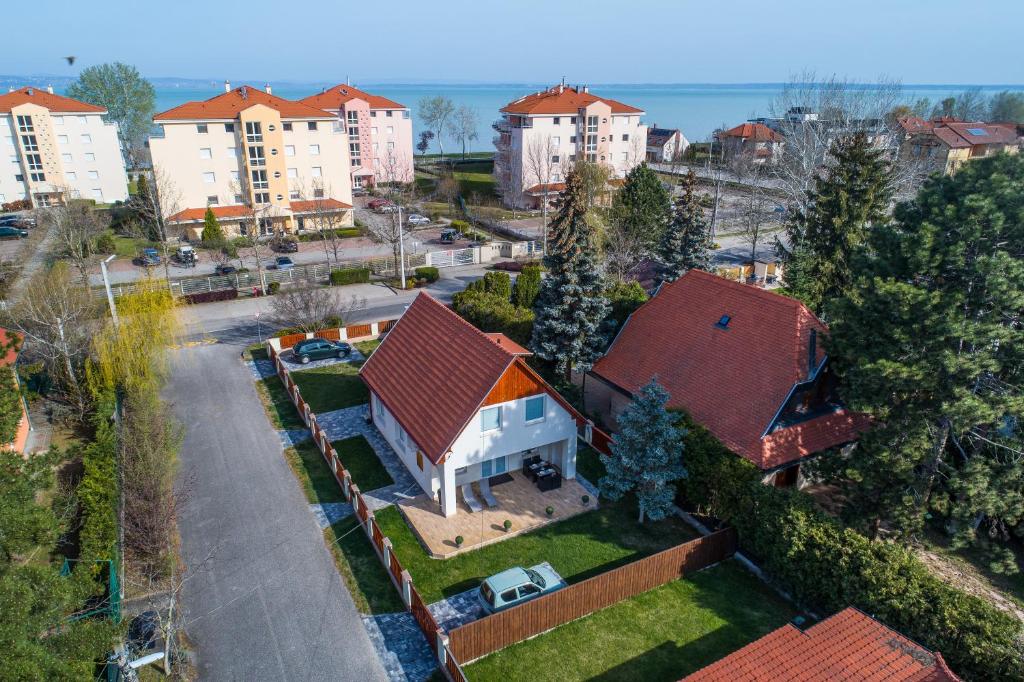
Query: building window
[253, 131]
[556, 141]
[405, 114]
[376, 146]
[97, 194]
[554, 158]
[373, 114]
[490, 419]
[390, 130]
[25, 124]
[419, 459]
[261, 197]
[61, 139]
[373, 130]
[293, 172]
[391, 146]
[34, 161]
[89, 156]
[229, 127]
[238, 198]
[259, 180]
[235, 176]
[209, 178]
[625, 157]
[232, 152]
[353, 132]
[318, 193]
[315, 171]
[256, 157]
[57, 120]
[201, 128]
[591, 143]
[353, 150]
[389, 113]
[19, 177]
[311, 125]
[94, 175]
[352, 117]
[493, 467]
[86, 138]
[534, 408]
[71, 175]
[572, 139]
[572, 120]
[625, 137]
[314, 150]
[558, 120]
[205, 153]
[293, 194]
[82, 120]
[591, 124]
[289, 150]
[287, 127]
[29, 141]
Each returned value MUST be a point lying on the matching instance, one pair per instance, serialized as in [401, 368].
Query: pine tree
[570, 310]
[643, 207]
[212, 234]
[928, 343]
[647, 454]
[686, 243]
[850, 197]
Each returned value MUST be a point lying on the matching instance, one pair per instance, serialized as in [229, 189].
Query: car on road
[225, 269]
[516, 586]
[319, 349]
[375, 204]
[147, 257]
[417, 219]
[449, 236]
[185, 255]
[388, 208]
[8, 232]
[285, 245]
[284, 263]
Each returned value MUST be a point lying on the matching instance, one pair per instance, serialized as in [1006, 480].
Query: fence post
[353, 492]
[442, 647]
[374, 329]
[346, 487]
[406, 588]
[370, 520]
[387, 555]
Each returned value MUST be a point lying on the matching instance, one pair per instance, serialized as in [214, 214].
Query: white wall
[428, 477]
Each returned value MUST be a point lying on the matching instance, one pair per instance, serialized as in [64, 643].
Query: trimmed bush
[492, 313]
[827, 567]
[549, 511]
[459, 540]
[460, 225]
[105, 243]
[527, 286]
[273, 288]
[340, 233]
[430, 274]
[210, 296]
[507, 524]
[350, 276]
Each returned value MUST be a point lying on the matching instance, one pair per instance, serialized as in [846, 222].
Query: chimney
[266, 86]
[30, 92]
[227, 86]
[49, 89]
[586, 88]
[812, 353]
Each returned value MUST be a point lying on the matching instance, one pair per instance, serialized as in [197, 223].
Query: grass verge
[367, 347]
[278, 406]
[331, 387]
[315, 475]
[360, 569]
[362, 463]
[664, 634]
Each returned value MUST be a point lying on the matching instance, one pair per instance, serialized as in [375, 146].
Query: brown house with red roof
[943, 145]
[745, 363]
[461, 407]
[849, 646]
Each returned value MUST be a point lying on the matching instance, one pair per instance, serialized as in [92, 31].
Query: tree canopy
[128, 98]
[643, 207]
[686, 242]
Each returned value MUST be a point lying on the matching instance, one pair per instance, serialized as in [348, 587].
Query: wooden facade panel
[514, 384]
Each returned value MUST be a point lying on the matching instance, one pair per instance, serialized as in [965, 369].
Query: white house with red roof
[541, 134]
[57, 146]
[747, 364]
[461, 407]
[754, 141]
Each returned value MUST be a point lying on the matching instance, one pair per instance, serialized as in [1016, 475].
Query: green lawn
[578, 548]
[279, 407]
[362, 463]
[256, 351]
[332, 387]
[318, 482]
[129, 247]
[588, 464]
[357, 562]
[367, 347]
[663, 634]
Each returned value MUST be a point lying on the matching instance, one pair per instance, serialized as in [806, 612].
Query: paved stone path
[329, 513]
[587, 485]
[457, 610]
[286, 358]
[261, 368]
[401, 646]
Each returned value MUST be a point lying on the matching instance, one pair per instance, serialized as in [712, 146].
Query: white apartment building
[52, 145]
[263, 164]
[542, 134]
[379, 134]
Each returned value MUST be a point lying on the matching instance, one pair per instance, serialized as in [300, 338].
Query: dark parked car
[449, 236]
[147, 257]
[283, 263]
[284, 245]
[8, 231]
[318, 349]
[225, 269]
[378, 203]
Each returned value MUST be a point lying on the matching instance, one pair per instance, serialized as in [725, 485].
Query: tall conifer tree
[686, 243]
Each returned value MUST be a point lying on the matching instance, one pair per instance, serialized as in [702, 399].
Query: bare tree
[310, 308]
[435, 113]
[161, 200]
[56, 316]
[326, 218]
[543, 166]
[623, 251]
[448, 188]
[758, 216]
[75, 226]
[463, 126]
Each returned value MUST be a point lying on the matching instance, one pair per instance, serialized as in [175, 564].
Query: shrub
[273, 288]
[210, 296]
[499, 284]
[430, 274]
[105, 243]
[585, 500]
[460, 225]
[350, 276]
[492, 313]
[827, 567]
[527, 286]
[549, 511]
[507, 524]
[18, 205]
[340, 233]
[459, 540]
[624, 297]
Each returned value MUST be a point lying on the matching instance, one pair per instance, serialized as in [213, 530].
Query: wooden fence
[349, 333]
[481, 637]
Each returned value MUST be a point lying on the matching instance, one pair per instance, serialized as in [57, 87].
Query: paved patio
[519, 501]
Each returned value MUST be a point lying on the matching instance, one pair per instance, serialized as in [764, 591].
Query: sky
[524, 41]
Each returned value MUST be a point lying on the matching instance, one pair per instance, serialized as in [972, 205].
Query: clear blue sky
[597, 41]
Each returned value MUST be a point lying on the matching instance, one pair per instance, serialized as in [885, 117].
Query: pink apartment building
[542, 134]
[379, 133]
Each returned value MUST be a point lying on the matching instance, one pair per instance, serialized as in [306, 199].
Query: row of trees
[441, 118]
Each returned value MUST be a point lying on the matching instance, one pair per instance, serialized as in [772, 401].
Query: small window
[232, 152]
[201, 128]
[271, 127]
[58, 120]
[94, 175]
[293, 195]
[212, 200]
[558, 120]
[461, 470]
[390, 130]
[315, 171]
[373, 114]
[293, 172]
[554, 159]
[389, 113]
[62, 139]
[405, 114]
[490, 419]
[205, 153]
[572, 120]
[311, 125]
[209, 178]
[286, 127]
[509, 595]
[89, 156]
[66, 158]
[314, 150]
[71, 175]
[229, 127]
[534, 408]
[723, 322]
[86, 139]
[97, 194]
[318, 193]
[419, 459]
[625, 138]
[289, 150]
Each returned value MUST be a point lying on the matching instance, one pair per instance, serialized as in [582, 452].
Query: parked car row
[17, 220]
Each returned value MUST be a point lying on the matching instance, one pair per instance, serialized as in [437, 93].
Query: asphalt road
[264, 600]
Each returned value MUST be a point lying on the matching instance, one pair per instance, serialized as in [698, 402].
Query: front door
[787, 477]
[493, 467]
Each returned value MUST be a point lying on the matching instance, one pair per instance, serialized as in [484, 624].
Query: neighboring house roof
[758, 132]
[57, 103]
[313, 205]
[914, 124]
[241, 210]
[229, 104]
[335, 97]
[983, 133]
[563, 99]
[734, 381]
[549, 188]
[957, 134]
[434, 370]
[659, 137]
[949, 137]
[10, 350]
[847, 646]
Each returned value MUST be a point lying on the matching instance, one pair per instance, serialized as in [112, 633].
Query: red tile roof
[733, 381]
[57, 103]
[848, 646]
[758, 132]
[507, 343]
[228, 105]
[199, 214]
[332, 99]
[550, 188]
[989, 134]
[10, 345]
[563, 100]
[330, 204]
[434, 370]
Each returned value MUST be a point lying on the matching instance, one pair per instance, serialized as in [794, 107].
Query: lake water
[696, 109]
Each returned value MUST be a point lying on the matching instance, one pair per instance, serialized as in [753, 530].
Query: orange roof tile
[733, 381]
[198, 214]
[848, 646]
[507, 343]
[228, 105]
[330, 204]
[57, 103]
[333, 98]
[563, 100]
[10, 345]
[758, 132]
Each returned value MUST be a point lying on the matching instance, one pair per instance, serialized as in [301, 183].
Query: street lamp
[110, 294]
[401, 247]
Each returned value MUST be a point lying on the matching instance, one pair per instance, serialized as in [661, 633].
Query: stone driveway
[291, 365]
[457, 610]
[401, 646]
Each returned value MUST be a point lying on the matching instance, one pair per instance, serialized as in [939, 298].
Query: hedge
[350, 276]
[340, 233]
[211, 296]
[428, 273]
[827, 567]
[97, 491]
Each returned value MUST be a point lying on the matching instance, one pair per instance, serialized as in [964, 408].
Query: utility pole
[110, 294]
[401, 247]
